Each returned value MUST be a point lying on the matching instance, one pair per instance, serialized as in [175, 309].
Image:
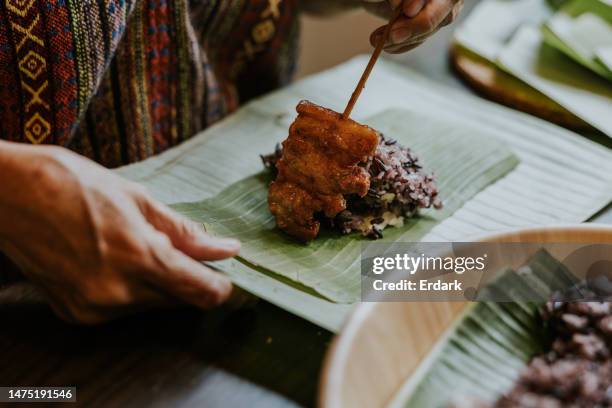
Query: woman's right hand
[97, 245]
[420, 19]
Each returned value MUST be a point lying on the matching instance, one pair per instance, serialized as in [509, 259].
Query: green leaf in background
[464, 161]
[576, 88]
[492, 24]
[582, 29]
[604, 55]
[556, 3]
[509, 35]
[483, 353]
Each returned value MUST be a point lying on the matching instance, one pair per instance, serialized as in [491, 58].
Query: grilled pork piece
[319, 166]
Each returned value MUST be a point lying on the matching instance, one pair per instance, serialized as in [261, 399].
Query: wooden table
[261, 356]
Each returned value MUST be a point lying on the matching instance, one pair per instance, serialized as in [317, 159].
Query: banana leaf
[581, 30]
[508, 34]
[464, 161]
[604, 55]
[567, 183]
[493, 23]
[573, 86]
[556, 3]
[481, 355]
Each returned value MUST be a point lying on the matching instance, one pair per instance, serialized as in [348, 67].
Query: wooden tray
[494, 84]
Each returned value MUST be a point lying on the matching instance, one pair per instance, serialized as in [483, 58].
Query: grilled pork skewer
[346, 175]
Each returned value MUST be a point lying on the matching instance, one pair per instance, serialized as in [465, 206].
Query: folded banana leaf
[482, 354]
[509, 34]
[582, 29]
[464, 162]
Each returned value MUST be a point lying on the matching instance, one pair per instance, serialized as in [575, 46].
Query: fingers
[427, 17]
[425, 23]
[454, 13]
[384, 9]
[413, 7]
[186, 235]
[400, 49]
[186, 278]
[397, 40]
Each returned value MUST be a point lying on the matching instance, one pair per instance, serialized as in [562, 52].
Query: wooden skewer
[377, 51]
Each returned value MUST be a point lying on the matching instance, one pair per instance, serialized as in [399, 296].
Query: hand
[420, 19]
[97, 245]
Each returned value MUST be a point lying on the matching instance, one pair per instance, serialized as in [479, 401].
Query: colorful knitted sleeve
[121, 80]
[52, 56]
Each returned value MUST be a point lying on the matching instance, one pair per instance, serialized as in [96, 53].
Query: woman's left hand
[420, 19]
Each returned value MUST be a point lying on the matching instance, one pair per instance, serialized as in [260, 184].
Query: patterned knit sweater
[121, 80]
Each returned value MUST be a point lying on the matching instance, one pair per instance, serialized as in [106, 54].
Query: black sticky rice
[576, 371]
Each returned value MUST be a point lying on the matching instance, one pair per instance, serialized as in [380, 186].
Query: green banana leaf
[584, 93]
[508, 34]
[492, 23]
[604, 55]
[481, 355]
[556, 3]
[582, 29]
[464, 161]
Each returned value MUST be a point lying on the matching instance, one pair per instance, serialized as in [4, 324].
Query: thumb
[187, 236]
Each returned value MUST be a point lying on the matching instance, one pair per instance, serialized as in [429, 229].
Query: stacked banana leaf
[583, 31]
[562, 48]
